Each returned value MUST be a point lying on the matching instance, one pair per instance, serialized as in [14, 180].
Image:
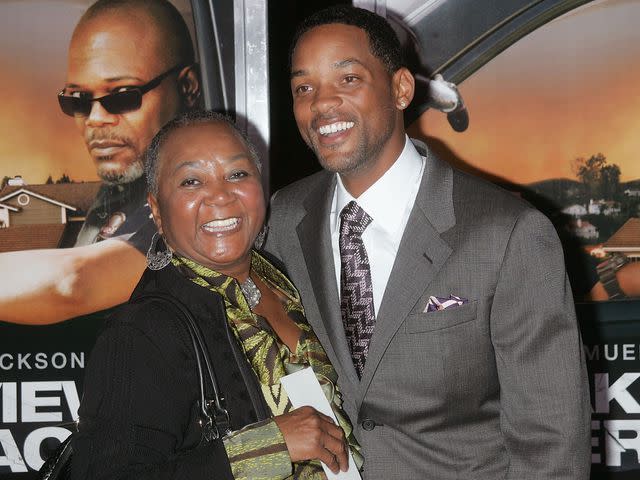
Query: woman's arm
[267, 449]
[258, 451]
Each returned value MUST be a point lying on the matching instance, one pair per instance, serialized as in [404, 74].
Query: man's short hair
[383, 41]
[167, 16]
[188, 119]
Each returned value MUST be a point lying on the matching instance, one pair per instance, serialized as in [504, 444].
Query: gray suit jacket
[493, 389]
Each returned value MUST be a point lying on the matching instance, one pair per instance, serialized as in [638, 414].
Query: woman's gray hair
[185, 120]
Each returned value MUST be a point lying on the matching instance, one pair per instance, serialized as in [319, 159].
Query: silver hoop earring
[258, 243]
[158, 259]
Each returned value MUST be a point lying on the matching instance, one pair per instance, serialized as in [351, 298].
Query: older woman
[139, 410]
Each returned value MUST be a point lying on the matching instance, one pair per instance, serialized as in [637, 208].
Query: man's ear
[404, 86]
[189, 85]
[155, 211]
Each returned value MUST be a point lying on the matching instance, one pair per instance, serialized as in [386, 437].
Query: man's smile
[335, 127]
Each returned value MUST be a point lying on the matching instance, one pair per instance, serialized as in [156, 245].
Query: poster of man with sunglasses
[122, 84]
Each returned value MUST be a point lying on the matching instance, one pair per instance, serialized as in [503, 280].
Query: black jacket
[138, 415]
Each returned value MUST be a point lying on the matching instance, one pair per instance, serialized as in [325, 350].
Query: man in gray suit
[447, 314]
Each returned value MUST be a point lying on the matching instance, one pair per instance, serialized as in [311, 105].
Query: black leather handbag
[214, 418]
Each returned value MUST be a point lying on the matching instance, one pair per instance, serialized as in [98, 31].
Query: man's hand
[310, 435]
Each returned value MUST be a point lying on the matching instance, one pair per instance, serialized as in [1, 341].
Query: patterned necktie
[356, 290]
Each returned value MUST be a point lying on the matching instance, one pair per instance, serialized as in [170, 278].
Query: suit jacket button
[368, 424]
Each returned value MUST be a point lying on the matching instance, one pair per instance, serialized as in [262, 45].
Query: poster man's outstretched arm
[49, 286]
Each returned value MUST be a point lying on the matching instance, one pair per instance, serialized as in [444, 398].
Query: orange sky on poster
[37, 139]
[553, 97]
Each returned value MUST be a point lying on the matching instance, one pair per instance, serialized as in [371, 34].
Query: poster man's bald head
[162, 16]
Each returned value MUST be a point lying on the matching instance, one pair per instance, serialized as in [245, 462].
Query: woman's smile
[225, 225]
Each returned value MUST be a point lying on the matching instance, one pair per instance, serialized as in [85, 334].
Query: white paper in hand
[303, 389]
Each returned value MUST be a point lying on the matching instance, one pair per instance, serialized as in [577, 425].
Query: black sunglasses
[114, 103]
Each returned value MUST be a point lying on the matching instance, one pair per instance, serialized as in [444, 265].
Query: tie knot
[354, 220]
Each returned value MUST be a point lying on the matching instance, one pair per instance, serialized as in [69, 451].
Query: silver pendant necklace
[251, 292]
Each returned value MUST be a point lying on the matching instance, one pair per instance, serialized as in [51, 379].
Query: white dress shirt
[388, 202]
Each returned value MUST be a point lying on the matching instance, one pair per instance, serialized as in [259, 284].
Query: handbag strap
[58, 465]
[216, 418]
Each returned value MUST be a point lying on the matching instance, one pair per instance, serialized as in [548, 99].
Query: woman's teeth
[221, 225]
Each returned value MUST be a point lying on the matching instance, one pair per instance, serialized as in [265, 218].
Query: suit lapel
[315, 240]
[421, 255]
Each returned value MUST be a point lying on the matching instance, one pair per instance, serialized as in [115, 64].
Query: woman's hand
[310, 435]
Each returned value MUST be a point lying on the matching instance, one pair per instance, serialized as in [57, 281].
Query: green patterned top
[258, 450]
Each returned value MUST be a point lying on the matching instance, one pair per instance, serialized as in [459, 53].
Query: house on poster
[43, 216]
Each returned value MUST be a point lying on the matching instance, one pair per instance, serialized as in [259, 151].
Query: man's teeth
[221, 225]
[335, 127]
